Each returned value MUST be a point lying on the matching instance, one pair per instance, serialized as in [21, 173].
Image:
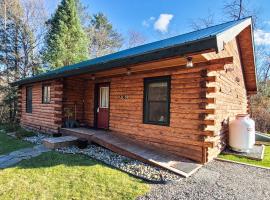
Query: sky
[158, 19]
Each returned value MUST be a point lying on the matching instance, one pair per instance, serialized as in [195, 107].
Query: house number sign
[123, 97]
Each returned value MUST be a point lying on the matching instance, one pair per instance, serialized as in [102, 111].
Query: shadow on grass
[53, 175]
[50, 159]
[9, 144]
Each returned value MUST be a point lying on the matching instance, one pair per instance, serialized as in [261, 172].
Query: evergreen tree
[66, 41]
[103, 38]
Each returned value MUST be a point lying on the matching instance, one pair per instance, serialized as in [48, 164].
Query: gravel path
[131, 166]
[217, 180]
[134, 167]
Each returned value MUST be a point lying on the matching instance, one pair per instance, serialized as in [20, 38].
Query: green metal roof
[195, 41]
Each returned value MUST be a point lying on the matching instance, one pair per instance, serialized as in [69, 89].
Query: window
[46, 94]
[104, 97]
[29, 99]
[157, 100]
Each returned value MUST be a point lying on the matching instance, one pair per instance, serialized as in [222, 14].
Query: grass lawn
[265, 162]
[9, 144]
[63, 176]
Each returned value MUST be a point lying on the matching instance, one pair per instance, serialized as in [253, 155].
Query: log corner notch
[58, 102]
[207, 95]
[19, 104]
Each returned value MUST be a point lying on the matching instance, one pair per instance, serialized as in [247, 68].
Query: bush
[21, 133]
[4, 113]
[9, 127]
[260, 112]
[262, 119]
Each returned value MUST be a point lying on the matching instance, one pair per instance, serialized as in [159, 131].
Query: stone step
[59, 142]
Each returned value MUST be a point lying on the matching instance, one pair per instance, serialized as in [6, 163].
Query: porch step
[59, 142]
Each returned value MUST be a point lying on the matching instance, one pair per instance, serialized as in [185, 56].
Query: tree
[235, 9]
[135, 39]
[20, 38]
[201, 23]
[263, 64]
[238, 9]
[83, 13]
[103, 38]
[34, 30]
[22, 31]
[66, 42]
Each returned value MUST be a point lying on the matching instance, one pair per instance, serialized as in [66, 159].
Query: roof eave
[209, 43]
[231, 33]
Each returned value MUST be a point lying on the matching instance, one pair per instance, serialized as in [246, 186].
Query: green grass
[21, 133]
[265, 162]
[9, 144]
[13, 127]
[63, 176]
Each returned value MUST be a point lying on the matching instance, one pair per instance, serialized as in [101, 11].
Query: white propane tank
[242, 133]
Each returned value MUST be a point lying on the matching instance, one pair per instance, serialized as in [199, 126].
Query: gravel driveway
[217, 180]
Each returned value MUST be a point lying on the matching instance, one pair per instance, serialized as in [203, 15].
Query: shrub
[9, 127]
[13, 127]
[4, 113]
[21, 133]
[260, 112]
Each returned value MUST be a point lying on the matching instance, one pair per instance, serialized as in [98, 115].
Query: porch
[126, 147]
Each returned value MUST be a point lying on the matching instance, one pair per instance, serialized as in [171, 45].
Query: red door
[103, 106]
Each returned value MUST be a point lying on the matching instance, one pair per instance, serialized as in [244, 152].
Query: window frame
[148, 81]
[27, 108]
[43, 87]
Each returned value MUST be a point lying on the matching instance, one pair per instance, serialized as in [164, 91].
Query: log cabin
[177, 95]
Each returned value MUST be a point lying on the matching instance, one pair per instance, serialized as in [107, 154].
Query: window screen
[29, 99]
[156, 100]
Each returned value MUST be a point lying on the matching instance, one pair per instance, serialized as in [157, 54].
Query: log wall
[231, 96]
[73, 98]
[188, 113]
[45, 118]
[204, 99]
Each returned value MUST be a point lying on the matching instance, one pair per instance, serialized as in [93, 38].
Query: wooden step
[59, 142]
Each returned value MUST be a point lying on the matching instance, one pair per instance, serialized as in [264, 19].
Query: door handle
[97, 109]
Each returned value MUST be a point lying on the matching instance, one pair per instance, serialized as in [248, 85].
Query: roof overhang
[163, 53]
[229, 34]
[243, 31]
[171, 47]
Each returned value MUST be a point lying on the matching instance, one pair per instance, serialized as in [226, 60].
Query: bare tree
[21, 36]
[135, 38]
[263, 64]
[201, 23]
[238, 9]
[235, 9]
[33, 32]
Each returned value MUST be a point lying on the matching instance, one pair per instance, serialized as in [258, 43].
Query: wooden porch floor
[129, 148]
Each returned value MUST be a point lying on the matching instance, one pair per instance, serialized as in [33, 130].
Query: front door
[103, 106]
